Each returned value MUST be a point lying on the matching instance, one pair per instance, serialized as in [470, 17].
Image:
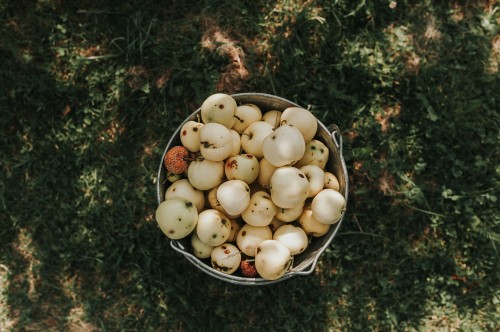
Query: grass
[91, 92]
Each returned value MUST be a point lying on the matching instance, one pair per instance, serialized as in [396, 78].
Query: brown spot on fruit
[195, 129]
[243, 233]
[184, 132]
[221, 106]
[301, 175]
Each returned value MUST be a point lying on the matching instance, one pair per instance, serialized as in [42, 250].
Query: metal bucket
[305, 262]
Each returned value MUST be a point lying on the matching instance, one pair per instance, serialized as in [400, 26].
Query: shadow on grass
[80, 247]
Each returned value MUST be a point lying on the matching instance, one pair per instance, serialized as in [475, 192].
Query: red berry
[176, 159]
[248, 268]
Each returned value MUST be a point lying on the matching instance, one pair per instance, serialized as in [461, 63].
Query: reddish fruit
[248, 268]
[176, 159]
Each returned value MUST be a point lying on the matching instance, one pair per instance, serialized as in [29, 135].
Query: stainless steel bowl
[305, 262]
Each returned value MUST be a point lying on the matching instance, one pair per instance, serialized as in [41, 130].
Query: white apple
[266, 170]
[290, 214]
[183, 188]
[293, 237]
[177, 217]
[272, 259]
[249, 237]
[289, 187]
[273, 117]
[310, 225]
[246, 115]
[327, 206]
[236, 143]
[243, 167]
[219, 108]
[253, 136]
[225, 258]
[316, 154]
[260, 211]
[331, 181]
[316, 177]
[216, 142]
[213, 227]
[200, 249]
[234, 196]
[190, 135]
[205, 174]
[284, 146]
[301, 119]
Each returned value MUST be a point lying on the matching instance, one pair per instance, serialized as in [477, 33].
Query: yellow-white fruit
[331, 181]
[260, 211]
[216, 142]
[213, 227]
[236, 143]
[310, 225]
[266, 170]
[205, 174]
[235, 228]
[246, 115]
[200, 249]
[234, 196]
[272, 117]
[243, 167]
[272, 259]
[225, 258]
[301, 119]
[316, 177]
[327, 206]
[284, 146]
[316, 154]
[289, 187]
[177, 217]
[293, 237]
[183, 188]
[290, 214]
[253, 136]
[219, 108]
[190, 135]
[249, 237]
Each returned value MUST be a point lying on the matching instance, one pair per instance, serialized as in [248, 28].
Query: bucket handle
[337, 137]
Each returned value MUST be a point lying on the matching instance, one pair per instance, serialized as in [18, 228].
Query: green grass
[91, 92]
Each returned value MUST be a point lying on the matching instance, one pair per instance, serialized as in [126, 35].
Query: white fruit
[301, 119]
[316, 177]
[246, 115]
[234, 196]
[200, 249]
[213, 227]
[249, 237]
[272, 259]
[214, 202]
[316, 154]
[253, 136]
[236, 143]
[272, 117]
[327, 206]
[284, 146]
[260, 211]
[266, 170]
[177, 217]
[331, 181]
[289, 187]
[293, 237]
[183, 188]
[216, 142]
[290, 214]
[275, 224]
[310, 225]
[243, 167]
[190, 135]
[235, 228]
[205, 174]
[225, 258]
[219, 108]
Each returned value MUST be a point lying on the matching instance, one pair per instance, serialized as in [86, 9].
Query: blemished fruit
[176, 159]
[177, 217]
[249, 188]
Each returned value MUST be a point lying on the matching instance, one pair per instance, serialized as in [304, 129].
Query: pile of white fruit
[255, 189]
